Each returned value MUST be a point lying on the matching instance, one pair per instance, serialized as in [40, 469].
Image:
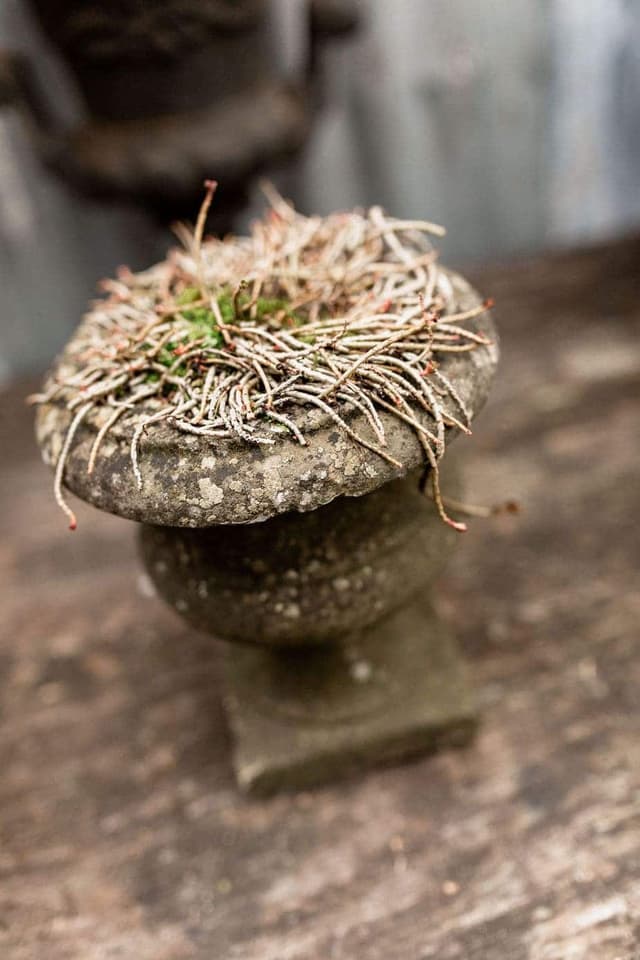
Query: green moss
[188, 295]
[200, 317]
[235, 306]
[203, 326]
[227, 309]
[266, 308]
[166, 356]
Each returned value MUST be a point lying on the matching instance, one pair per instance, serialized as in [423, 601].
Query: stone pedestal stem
[336, 659]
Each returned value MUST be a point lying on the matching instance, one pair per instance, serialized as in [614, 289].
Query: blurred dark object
[10, 65]
[175, 91]
[19, 87]
[328, 19]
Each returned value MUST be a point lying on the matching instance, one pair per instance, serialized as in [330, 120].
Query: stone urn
[313, 563]
[168, 91]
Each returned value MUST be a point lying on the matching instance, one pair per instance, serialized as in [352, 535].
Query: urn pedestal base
[335, 659]
[304, 716]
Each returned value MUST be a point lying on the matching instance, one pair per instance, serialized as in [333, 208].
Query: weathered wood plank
[121, 833]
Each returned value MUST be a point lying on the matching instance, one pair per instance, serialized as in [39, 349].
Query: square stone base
[312, 714]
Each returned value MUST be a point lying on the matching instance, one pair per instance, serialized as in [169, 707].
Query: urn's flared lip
[190, 481]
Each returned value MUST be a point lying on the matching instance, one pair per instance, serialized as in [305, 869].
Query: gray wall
[516, 124]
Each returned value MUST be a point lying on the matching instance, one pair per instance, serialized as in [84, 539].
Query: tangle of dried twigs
[228, 337]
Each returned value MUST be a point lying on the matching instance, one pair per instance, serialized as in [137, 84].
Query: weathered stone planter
[314, 563]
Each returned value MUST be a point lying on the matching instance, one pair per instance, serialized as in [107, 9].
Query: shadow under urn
[313, 563]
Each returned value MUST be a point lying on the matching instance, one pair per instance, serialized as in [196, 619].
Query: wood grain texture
[121, 833]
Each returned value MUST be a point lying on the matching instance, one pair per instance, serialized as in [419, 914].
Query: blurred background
[514, 124]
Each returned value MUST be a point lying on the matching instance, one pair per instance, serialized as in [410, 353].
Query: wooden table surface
[121, 832]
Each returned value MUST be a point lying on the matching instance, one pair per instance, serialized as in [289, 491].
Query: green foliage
[202, 329]
[166, 356]
[225, 304]
[236, 308]
[188, 295]
[266, 308]
[203, 326]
